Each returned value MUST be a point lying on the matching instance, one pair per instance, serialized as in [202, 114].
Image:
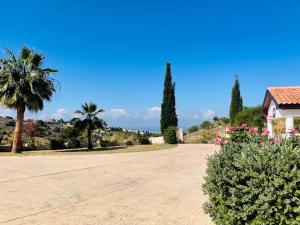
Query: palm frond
[24, 81]
[25, 54]
[11, 56]
[37, 60]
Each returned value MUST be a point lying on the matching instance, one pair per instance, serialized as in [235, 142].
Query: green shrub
[144, 140]
[107, 143]
[73, 143]
[57, 143]
[193, 129]
[134, 139]
[252, 116]
[170, 136]
[207, 125]
[248, 183]
[117, 138]
[129, 143]
[10, 123]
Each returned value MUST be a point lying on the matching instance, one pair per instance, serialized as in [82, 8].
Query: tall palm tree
[89, 120]
[24, 84]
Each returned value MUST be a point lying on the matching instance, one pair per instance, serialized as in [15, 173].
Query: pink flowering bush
[254, 179]
[243, 134]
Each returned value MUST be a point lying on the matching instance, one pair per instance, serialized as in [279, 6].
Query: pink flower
[254, 131]
[218, 140]
[276, 140]
[293, 131]
[244, 125]
[231, 129]
[261, 143]
[226, 142]
[266, 132]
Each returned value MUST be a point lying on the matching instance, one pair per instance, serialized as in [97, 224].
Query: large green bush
[144, 140]
[250, 183]
[170, 136]
[57, 143]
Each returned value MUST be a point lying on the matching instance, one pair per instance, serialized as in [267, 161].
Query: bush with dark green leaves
[72, 143]
[144, 140]
[10, 123]
[170, 136]
[57, 143]
[248, 183]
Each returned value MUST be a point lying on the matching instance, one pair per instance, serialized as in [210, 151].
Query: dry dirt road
[146, 188]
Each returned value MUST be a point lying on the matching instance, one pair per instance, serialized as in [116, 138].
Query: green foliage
[10, 123]
[90, 121]
[144, 140]
[72, 143]
[129, 142]
[206, 137]
[23, 82]
[116, 129]
[24, 85]
[254, 179]
[57, 143]
[106, 143]
[170, 136]
[236, 105]
[70, 136]
[206, 125]
[252, 116]
[193, 129]
[117, 138]
[225, 120]
[1, 136]
[168, 107]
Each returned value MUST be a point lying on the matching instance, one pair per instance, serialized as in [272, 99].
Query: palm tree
[89, 120]
[24, 84]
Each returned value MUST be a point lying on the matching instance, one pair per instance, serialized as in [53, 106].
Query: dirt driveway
[146, 188]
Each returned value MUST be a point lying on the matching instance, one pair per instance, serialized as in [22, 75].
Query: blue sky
[114, 53]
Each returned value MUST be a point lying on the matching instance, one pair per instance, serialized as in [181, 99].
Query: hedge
[252, 184]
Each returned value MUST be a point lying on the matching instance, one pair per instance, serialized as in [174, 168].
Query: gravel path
[146, 188]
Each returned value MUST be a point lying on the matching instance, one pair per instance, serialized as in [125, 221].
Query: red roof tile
[285, 95]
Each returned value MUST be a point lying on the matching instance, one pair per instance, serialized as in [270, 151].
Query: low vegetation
[254, 179]
[205, 132]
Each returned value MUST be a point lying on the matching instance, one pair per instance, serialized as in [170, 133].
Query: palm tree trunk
[17, 140]
[89, 133]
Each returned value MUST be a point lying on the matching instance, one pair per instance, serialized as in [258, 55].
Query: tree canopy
[236, 104]
[168, 107]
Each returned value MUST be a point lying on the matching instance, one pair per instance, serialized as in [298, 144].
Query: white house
[282, 102]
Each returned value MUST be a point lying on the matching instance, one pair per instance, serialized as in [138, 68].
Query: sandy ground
[146, 188]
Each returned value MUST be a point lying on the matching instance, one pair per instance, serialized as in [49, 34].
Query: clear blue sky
[114, 53]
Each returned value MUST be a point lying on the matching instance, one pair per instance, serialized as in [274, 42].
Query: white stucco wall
[282, 113]
[157, 140]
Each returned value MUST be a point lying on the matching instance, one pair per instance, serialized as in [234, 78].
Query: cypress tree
[236, 105]
[168, 107]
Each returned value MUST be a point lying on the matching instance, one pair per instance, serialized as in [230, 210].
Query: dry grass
[106, 150]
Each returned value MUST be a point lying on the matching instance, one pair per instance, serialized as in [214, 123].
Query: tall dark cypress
[168, 107]
[236, 105]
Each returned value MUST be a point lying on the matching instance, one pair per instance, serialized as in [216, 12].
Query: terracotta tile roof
[285, 95]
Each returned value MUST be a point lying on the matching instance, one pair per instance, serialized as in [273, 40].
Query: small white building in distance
[282, 102]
